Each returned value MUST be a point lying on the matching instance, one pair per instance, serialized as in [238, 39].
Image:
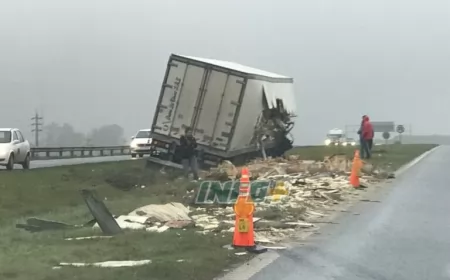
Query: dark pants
[365, 148]
[190, 163]
[370, 142]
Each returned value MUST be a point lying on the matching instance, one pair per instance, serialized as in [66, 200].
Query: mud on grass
[53, 193]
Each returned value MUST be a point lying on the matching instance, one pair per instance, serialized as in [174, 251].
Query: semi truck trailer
[236, 112]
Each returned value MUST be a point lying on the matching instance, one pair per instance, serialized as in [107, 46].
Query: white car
[14, 149]
[141, 143]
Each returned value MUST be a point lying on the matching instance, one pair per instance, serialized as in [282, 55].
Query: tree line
[64, 135]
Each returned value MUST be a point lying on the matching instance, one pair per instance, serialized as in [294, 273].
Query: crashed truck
[236, 112]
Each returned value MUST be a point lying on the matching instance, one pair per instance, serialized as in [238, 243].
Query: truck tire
[10, 165]
[141, 155]
[26, 162]
[133, 155]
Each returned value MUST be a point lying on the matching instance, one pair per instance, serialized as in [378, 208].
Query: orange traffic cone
[356, 166]
[244, 208]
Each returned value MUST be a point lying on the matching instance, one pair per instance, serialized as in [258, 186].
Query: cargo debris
[106, 264]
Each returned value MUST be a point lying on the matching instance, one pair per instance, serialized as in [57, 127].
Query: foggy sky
[96, 62]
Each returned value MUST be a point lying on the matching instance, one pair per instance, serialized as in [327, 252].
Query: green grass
[53, 193]
[389, 157]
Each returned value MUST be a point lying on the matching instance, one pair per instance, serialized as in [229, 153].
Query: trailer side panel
[209, 106]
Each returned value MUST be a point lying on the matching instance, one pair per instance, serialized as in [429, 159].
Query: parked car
[14, 149]
[141, 143]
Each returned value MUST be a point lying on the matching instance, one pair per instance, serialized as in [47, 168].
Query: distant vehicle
[141, 143]
[349, 142]
[335, 137]
[14, 149]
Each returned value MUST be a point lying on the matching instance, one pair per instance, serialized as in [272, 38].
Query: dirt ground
[53, 193]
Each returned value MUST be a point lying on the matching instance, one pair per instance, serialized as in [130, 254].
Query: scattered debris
[163, 213]
[299, 195]
[107, 264]
[368, 200]
[37, 225]
[275, 247]
[87, 237]
[156, 218]
[98, 209]
[257, 249]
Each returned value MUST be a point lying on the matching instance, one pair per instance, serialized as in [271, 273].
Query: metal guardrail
[72, 152]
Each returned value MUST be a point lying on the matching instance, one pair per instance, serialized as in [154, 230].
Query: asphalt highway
[405, 236]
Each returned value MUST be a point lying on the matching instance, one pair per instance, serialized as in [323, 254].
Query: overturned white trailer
[232, 109]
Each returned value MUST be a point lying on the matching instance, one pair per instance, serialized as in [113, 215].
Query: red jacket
[367, 129]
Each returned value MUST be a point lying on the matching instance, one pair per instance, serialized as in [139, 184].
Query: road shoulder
[369, 195]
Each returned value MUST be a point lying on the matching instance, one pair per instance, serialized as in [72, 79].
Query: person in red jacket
[367, 134]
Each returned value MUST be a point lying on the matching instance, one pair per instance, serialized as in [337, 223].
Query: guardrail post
[48, 154]
[72, 154]
[61, 153]
[91, 153]
[102, 153]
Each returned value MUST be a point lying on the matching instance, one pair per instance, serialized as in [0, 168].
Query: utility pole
[37, 128]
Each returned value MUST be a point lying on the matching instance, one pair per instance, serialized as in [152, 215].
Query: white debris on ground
[106, 264]
[87, 237]
[156, 218]
[304, 192]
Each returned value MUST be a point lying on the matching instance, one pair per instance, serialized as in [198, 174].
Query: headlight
[327, 142]
[344, 144]
[133, 145]
[353, 143]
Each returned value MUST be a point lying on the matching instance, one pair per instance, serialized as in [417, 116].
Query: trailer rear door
[170, 95]
[179, 95]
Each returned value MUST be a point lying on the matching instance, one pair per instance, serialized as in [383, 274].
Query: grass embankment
[53, 193]
[388, 157]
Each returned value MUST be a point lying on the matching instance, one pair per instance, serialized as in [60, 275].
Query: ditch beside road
[194, 252]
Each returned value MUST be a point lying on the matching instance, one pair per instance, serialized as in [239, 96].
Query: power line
[37, 127]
